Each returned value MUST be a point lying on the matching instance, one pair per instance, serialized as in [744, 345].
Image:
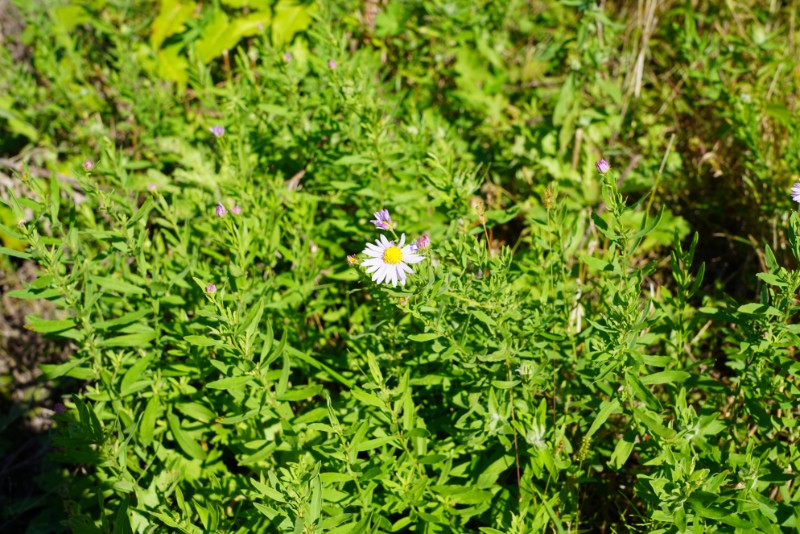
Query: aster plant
[388, 260]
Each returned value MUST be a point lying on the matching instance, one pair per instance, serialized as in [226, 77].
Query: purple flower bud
[88, 165]
[383, 220]
[221, 211]
[423, 242]
[218, 131]
[236, 210]
[151, 187]
[332, 64]
[211, 289]
[602, 166]
[796, 192]
[59, 408]
[287, 57]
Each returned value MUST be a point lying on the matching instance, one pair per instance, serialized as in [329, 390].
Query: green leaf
[170, 20]
[623, 450]
[70, 368]
[47, 326]
[374, 443]
[300, 394]
[217, 37]
[133, 374]
[120, 286]
[252, 24]
[665, 377]
[606, 409]
[653, 425]
[197, 411]
[268, 491]
[126, 319]
[140, 340]
[148, 424]
[232, 382]
[596, 264]
[758, 309]
[354, 159]
[505, 384]
[421, 338]
[202, 341]
[185, 442]
[368, 398]
[173, 66]
[70, 16]
[290, 18]
[702, 504]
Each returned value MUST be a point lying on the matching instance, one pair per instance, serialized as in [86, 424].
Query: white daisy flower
[387, 261]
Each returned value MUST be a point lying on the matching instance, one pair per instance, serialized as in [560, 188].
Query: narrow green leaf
[423, 337]
[665, 377]
[148, 424]
[133, 374]
[47, 326]
[606, 409]
[202, 341]
[300, 394]
[368, 398]
[141, 340]
[15, 253]
[232, 382]
[119, 286]
[185, 442]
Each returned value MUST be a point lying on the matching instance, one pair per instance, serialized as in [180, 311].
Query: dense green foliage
[578, 351]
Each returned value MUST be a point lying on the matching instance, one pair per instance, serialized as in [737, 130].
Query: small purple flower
[602, 166]
[796, 192]
[88, 165]
[59, 408]
[383, 220]
[332, 64]
[151, 187]
[287, 57]
[221, 211]
[236, 210]
[218, 131]
[423, 242]
[211, 289]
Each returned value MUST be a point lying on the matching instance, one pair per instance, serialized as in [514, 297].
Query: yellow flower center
[393, 255]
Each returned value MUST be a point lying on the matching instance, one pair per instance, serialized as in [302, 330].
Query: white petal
[401, 273]
[385, 242]
[372, 261]
[373, 268]
[406, 268]
[379, 275]
[385, 277]
[402, 240]
[412, 258]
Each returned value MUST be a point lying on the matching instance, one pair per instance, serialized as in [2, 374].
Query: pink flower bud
[602, 166]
